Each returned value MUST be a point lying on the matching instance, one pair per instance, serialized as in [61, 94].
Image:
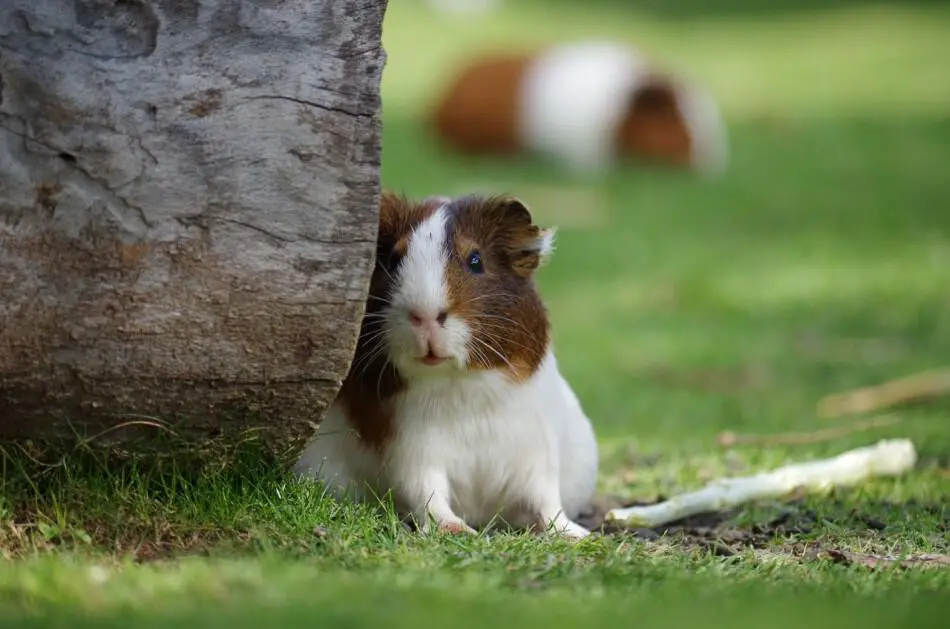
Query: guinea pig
[454, 405]
[587, 105]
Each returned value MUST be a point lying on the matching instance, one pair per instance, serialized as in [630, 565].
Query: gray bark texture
[188, 211]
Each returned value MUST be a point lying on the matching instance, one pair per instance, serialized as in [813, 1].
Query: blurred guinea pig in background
[586, 104]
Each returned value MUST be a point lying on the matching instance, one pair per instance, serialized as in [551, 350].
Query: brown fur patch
[368, 390]
[478, 112]
[654, 127]
[508, 320]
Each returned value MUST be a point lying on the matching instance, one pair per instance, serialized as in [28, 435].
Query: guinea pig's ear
[395, 215]
[398, 212]
[391, 205]
[528, 245]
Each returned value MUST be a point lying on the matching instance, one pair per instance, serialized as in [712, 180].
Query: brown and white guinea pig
[586, 104]
[454, 401]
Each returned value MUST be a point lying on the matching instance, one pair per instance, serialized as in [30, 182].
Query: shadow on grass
[145, 507]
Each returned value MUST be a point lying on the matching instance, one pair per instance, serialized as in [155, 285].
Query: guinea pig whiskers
[374, 338]
[484, 315]
[497, 353]
[382, 266]
[503, 329]
[387, 302]
[478, 356]
[488, 323]
[368, 359]
[375, 317]
[376, 347]
[477, 297]
[481, 317]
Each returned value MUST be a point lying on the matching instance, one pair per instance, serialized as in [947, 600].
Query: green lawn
[682, 308]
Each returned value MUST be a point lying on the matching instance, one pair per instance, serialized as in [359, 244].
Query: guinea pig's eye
[474, 262]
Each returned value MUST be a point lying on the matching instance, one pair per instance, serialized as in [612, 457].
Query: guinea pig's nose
[419, 318]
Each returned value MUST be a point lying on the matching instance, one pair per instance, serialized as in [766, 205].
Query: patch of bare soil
[719, 534]
[927, 560]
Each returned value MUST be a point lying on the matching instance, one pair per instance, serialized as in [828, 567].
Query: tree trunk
[188, 210]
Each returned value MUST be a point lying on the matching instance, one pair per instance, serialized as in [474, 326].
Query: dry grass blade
[917, 386]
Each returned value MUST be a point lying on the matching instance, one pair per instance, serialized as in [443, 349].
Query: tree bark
[188, 210]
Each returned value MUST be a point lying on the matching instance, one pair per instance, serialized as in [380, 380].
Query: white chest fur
[470, 449]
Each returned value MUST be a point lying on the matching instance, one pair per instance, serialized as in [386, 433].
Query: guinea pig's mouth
[431, 359]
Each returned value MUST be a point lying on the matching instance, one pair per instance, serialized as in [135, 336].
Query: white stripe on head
[422, 283]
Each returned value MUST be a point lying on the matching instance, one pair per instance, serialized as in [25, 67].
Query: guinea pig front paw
[456, 527]
[573, 532]
[566, 529]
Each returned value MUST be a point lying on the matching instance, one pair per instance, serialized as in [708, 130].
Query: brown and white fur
[454, 401]
[586, 104]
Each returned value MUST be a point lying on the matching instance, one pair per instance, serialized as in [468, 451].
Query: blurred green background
[819, 262]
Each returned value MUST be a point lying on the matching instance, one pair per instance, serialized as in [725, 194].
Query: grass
[682, 308]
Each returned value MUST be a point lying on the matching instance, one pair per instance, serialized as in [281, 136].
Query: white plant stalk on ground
[886, 458]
